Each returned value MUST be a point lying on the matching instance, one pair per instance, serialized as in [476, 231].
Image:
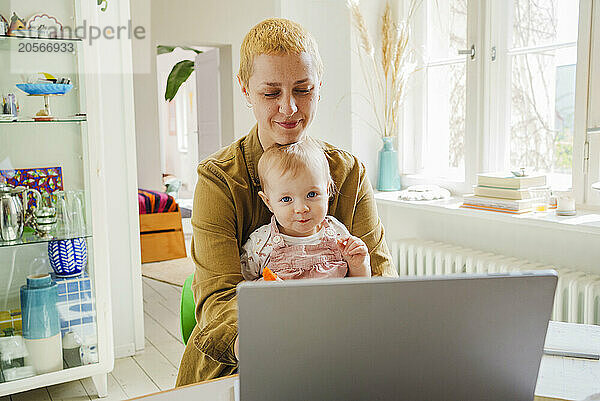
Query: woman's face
[283, 91]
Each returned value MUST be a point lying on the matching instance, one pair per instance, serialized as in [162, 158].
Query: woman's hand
[356, 253]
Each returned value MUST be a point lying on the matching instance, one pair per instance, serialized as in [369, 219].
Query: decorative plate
[46, 21]
[3, 31]
[16, 24]
[424, 192]
[45, 89]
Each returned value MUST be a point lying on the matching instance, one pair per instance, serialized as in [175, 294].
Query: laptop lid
[464, 337]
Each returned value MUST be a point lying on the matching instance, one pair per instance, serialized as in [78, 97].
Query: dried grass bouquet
[386, 72]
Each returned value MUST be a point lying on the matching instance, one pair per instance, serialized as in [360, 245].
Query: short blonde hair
[277, 36]
[291, 159]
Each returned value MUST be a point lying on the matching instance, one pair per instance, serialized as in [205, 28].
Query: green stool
[187, 314]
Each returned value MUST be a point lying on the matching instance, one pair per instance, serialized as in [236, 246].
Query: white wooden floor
[151, 370]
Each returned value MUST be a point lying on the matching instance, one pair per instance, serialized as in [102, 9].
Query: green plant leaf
[105, 6]
[178, 75]
[161, 49]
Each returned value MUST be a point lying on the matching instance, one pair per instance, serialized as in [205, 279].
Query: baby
[301, 241]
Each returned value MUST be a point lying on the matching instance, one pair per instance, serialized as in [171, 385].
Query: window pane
[544, 22]
[446, 28]
[542, 110]
[437, 98]
[445, 139]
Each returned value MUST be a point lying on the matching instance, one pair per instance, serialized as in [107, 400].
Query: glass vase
[388, 178]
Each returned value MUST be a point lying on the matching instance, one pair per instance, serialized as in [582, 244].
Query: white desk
[222, 389]
[560, 378]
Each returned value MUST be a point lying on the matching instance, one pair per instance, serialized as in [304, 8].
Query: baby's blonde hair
[277, 36]
[291, 159]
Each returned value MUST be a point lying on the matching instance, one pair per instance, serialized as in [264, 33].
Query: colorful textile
[155, 202]
[45, 179]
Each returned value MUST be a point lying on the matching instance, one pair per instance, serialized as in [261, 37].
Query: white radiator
[577, 297]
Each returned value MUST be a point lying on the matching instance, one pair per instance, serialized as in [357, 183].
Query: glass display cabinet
[55, 323]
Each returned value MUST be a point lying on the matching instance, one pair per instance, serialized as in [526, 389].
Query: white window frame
[487, 113]
[413, 141]
[589, 116]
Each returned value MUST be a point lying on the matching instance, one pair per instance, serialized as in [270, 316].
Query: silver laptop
[477, 337]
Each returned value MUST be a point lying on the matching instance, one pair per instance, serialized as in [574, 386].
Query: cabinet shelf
[11, 37]
[29, 237]
[40, 46]
[58, 120]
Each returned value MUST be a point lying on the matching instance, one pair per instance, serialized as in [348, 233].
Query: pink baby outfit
[322, 260]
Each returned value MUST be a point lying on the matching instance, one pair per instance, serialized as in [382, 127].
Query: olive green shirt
[227, 209]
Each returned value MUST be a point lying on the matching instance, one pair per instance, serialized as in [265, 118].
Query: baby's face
[299, 203]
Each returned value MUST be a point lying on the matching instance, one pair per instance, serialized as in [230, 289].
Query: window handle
[470, 52]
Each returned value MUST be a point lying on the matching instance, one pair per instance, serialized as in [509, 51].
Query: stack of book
[507, 193]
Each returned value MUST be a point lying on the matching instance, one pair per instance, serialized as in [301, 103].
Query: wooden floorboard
[165, 318]
[158, 368]
[169, 346]
[70, 391]
[150, 293]
[40, 394]
[166, 294]
[132, 378]
[115, 392]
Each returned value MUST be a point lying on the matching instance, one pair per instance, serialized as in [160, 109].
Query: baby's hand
[356, 253]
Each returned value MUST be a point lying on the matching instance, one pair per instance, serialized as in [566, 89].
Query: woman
[280, 77]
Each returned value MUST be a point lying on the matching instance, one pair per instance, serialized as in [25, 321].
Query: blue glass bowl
[45, 89]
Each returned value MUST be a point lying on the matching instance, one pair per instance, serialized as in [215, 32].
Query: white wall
[203, 23]
[365, 141]
[328, 22]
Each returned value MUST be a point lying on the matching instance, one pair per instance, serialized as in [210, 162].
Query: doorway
[190, 124]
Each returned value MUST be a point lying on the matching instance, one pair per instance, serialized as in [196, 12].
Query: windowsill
[587, 221]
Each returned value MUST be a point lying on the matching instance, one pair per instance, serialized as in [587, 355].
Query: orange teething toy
[268, 275]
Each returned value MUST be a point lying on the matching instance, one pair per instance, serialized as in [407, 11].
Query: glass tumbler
[75, 207]
[64, 226]
[540, 197]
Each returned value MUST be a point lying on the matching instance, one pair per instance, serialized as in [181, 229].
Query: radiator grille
[577, 297]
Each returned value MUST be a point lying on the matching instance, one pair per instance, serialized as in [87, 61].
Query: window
[509, 105]
[439, 94]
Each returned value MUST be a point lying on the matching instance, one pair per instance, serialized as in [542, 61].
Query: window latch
[470, 52]
[586, 156]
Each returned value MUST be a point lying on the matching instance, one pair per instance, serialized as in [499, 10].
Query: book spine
[503, 193]
[511, 185]
[511, 182]
[498, 203]
[495, 209]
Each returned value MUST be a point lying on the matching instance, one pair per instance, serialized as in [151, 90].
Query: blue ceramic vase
[41, 324]
[68, 257]
[389, 177]
[38, 307]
